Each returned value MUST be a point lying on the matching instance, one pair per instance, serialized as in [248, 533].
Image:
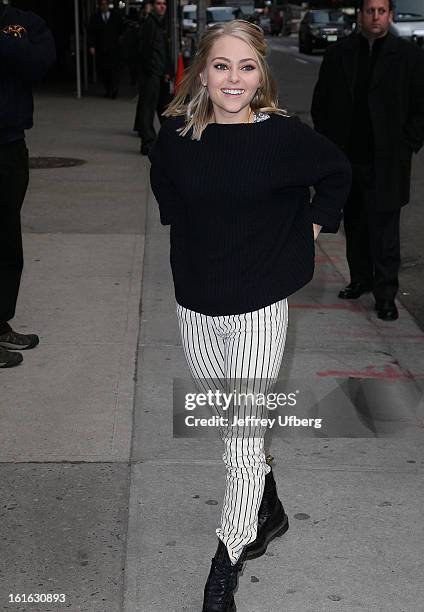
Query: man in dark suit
[369, 99]
[105, 30]
[27, 51]
[154, 74]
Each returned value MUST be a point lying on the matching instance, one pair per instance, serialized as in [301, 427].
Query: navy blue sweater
[26, 51]
[238, 202]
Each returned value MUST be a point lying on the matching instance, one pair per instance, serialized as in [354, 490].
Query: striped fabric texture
[235, 351]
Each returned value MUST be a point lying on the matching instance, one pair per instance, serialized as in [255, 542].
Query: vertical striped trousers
[232, 349]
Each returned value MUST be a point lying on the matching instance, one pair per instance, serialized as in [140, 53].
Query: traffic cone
[180, 71]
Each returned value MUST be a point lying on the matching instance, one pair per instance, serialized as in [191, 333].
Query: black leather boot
[273, 522]
[221, 582]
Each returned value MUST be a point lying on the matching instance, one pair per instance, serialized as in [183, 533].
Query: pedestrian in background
[104, 33]
[155, 71]
[369, 99]
[26, 52]
[131, 39]
[231, 173]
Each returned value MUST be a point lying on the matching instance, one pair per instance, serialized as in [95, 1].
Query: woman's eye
[246, 68]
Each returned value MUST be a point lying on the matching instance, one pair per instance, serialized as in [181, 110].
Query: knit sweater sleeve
[328, 172]
[160, 181]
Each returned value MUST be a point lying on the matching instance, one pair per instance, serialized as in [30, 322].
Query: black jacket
[27, 50]
[396, 106]
[154, 57]
[104, 37]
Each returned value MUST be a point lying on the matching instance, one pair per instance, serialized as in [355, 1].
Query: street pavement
[67, 411]
[100, 502]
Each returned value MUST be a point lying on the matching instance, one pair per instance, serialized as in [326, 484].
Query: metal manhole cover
[54, 162]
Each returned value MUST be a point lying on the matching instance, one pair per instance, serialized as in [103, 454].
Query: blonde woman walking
[231, 173]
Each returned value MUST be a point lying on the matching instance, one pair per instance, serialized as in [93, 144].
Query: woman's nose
[233, 76]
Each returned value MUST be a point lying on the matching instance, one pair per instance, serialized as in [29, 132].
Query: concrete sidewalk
[66, 412]
[100, 502]
[356, 535]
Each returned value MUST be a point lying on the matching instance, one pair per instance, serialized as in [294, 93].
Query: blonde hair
[192, 99]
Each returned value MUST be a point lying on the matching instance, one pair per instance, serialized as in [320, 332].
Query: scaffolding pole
[77, 48]
[201, 19]
[175, 34]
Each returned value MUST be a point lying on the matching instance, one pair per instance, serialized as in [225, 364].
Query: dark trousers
[153, 97]
[108, 68]
[372, 237]
[13, 185]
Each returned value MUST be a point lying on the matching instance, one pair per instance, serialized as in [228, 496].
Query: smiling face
[375, 18]
[232, 76]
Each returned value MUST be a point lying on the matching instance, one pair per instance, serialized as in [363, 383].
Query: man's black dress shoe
[145, 149]
[222, 582]
[386, 310]
[353, 291]
[273, 522]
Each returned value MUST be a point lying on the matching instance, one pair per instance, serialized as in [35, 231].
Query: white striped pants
[232, 348]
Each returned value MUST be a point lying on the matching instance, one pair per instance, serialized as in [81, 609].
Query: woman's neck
[230, 118]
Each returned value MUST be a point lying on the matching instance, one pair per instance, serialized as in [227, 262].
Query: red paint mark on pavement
[327, 259]
[387, 372]
[376, 334]
[327, 280]
[352, 306]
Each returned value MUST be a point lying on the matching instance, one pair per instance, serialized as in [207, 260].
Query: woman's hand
[317, 229]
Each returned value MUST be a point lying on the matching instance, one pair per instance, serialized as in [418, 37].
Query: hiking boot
[13, 341]
[9, 359]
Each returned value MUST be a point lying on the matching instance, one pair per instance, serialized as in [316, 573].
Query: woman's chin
[234, 107]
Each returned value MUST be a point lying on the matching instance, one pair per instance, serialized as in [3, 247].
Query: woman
[231, 173]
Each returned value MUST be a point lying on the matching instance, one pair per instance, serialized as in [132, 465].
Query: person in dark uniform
[369, 99]
[131, 39]
[155, 73]
[26, 52]
[105, 30]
